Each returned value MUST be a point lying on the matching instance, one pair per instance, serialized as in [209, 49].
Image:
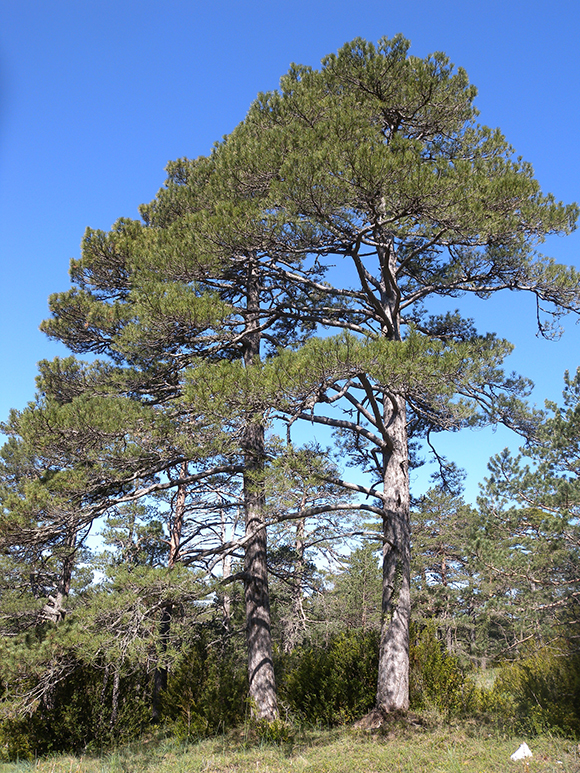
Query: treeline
[495, 585]
[283, 282]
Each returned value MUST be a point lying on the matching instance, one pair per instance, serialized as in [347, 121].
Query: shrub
[206, 692]
[331, 685]
[76, 715]
[15, 740]
[541, 692]
[436, 678]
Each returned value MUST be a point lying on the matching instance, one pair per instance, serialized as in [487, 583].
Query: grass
[413, 746]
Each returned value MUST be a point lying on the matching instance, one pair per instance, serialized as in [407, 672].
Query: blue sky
[97, 96]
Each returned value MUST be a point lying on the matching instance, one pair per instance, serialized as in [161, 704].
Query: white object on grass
[522, 752]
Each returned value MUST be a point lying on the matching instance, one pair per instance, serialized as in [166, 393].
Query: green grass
[416, 746]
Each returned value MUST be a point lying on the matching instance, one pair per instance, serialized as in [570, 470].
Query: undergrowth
[417, 743]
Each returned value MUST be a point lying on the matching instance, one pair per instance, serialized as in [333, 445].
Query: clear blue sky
[97, 96]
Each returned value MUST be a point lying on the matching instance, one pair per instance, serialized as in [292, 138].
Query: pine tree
[311, 519]
[443, 570]
[376, 160]
[356, 593]
[529, 533]
[375, 163]
[185, 307]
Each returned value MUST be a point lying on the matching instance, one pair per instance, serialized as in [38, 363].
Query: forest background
[487, 317]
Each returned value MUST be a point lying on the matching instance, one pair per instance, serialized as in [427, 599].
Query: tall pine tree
[375, 163]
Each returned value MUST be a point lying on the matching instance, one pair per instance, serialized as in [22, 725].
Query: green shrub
[15, 740]
[436, 678]
[76, 715]
[331, 685]
[540, 692]
[206, 692]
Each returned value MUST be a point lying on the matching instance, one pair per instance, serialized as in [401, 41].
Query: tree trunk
[175, 531]
[115, 701]
[296, 624]
[226, 572]
[262, 684]
[393, 675]
[160, 674]
[103, 701]
[54, 609]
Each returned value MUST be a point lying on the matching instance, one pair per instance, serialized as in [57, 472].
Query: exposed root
[389, 721]
[373, 720]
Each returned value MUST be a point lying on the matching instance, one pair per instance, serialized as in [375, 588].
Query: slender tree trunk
[449, 637]
[297, 622]
[177, 521]
[262, 684]
[103, 700]
[226, 572]
[115, 702]
[55, 608]
[175, 532]
[160, 673]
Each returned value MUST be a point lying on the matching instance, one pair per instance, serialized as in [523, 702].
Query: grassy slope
[401, 750]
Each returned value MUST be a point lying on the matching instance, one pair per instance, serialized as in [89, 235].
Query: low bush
[436, 678]
[76, 715]
[334, 684]
[540, 692]
[206, 692]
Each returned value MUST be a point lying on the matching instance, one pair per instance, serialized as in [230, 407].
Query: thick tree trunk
[262, 684]
[393, 676]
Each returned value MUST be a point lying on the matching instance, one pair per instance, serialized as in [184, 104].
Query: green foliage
[277, 732]
[77, 715]
[15, 740]
[207, 690]
[540, 693]
[443, 574]
[436, 678]
[355, 599]
[528, 539]
[336, 684]
[331, 685]
[375, 158]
